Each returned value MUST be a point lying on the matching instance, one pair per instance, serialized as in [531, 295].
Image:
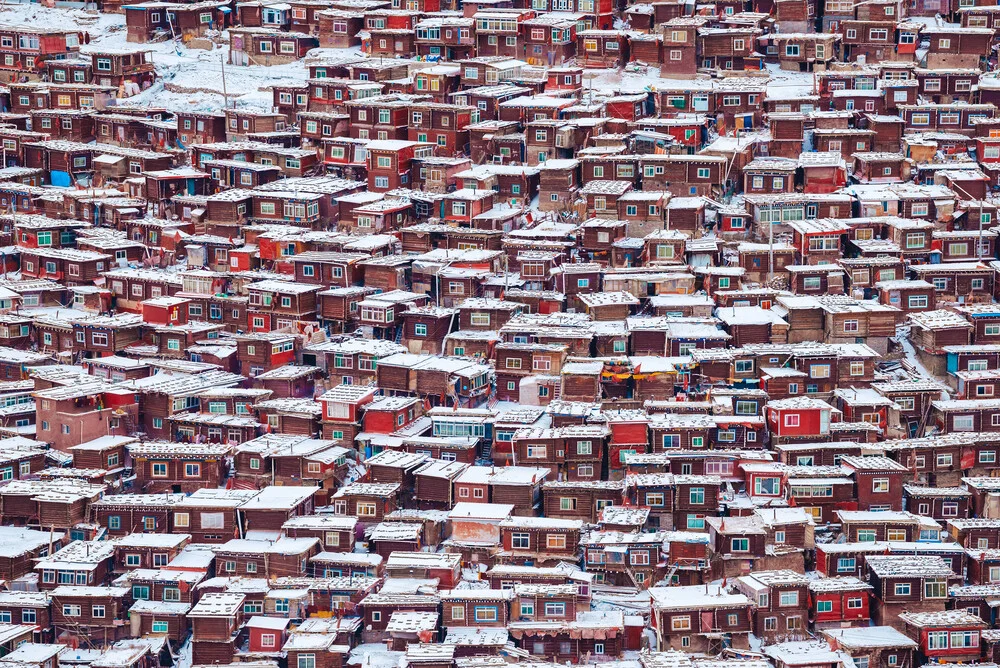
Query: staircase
[557, 392]
[399, 335]
[487, 453]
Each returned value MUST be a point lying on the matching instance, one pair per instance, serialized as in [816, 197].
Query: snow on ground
[192, 79]
[637, 78]
[185, 657]
[789, 83]
[633, 79]
[374, 655]
[932, 22]
[630, 603]
[903, 336]
[195, 75]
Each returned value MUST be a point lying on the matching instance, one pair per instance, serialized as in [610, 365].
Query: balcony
[139, 68]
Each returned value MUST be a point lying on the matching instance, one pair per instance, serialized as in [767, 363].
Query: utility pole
[225, 95]
[770, 252]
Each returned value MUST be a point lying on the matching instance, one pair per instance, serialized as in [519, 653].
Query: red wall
[628, 433]
[614, 458]
[840, 610]
[809, 422]
[380, 422]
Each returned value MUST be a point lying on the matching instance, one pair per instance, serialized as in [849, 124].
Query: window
[963, 423]
[824, 606]
[902, 589]
[788, 598]
[555, 609]
[935, 589]
[555, 542]
[485, 613]
[740, 544]
[681, 623]
[819, 371]
[866, 535]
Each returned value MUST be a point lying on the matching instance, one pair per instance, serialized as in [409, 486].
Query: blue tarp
[61, 179]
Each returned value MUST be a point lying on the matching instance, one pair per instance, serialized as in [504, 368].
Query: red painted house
[267, 634]
[838, 602]
[629, 435]
[343, 405]
[461, 206]
[344, 402]
[165, 311]
[389, 162]
[817, 241]
[385, 415]
[798, 417]
[951, 636]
